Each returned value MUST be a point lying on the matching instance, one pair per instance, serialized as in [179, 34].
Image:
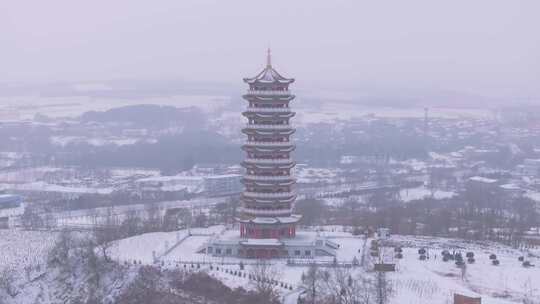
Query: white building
[211, 185]
[226, 184]
[176, 183]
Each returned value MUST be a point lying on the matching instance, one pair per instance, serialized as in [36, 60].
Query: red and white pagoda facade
[267, 223]
[269, 195]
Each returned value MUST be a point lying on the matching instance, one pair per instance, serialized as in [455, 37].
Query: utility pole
[426, 124]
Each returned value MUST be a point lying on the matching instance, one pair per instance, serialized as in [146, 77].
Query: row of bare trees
[325, 285]
[339, 285]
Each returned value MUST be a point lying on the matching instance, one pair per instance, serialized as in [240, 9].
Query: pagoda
[267, 223]
[269, 195]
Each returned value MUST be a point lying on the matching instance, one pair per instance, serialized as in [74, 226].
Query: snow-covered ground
[334, 110]
[415, 281]
[19, 249]
[177, 245]
[411, 194]
[433, 281]
[26, 107]
[94, 141]
[46, 187]
[145, 247]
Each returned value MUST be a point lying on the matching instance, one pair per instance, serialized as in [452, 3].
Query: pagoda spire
[269, 58]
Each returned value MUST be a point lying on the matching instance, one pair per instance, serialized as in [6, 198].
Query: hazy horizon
[485, 48]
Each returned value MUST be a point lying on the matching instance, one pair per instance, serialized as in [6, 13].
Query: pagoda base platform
[306, 245]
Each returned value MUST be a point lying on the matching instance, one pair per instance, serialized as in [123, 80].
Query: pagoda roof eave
[269, 76]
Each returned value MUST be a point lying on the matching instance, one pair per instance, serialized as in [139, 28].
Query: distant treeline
[170, 153]
[149, 116]
[180, 138]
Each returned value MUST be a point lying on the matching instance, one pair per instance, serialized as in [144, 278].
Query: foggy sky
[487, 47]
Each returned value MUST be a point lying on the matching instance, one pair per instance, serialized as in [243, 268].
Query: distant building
[176, 183]
[511, 191]
[485, 188]
[11, 209]
[530, 167]
[383, 233]
[220, 185]
[180, 185]
[360, 159]
[483, 182]
[473, 154]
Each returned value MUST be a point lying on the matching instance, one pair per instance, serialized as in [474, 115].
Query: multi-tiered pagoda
[269, 195]
[267, 224]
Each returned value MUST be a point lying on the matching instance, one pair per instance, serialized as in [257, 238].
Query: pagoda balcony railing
[268, 110]
[266, 212]
[269, 92]
[269, 160]
[270, 127]
[270, 195]
[269, 143]
[269, 178]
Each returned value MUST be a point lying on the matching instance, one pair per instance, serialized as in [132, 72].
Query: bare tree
[359, 290]
[383, 288]
[106, 234]
[339, 286]
[59, 254]
[30, 219]
[311, 281]
[7, 282]
[264, 279]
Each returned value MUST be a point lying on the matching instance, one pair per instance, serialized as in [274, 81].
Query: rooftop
[269, 75]
[261, 242]
[9, 198]
[483, 179]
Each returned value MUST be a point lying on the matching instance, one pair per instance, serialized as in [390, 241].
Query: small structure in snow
[461, 299]
[383, 267]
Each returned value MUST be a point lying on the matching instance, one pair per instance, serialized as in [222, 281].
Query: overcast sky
[481, 46]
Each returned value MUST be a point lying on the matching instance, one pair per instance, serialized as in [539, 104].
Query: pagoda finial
[269, 58]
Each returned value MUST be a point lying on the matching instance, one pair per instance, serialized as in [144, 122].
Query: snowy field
[411, 194]
[26, 107]
[335, 110]
[432, 281]
[19, 249]
[147, 247]
[415, 281]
